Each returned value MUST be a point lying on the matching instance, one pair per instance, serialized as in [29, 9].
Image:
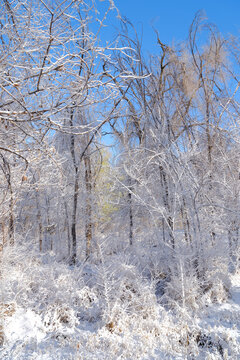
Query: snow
[109, 311]
[24, 325]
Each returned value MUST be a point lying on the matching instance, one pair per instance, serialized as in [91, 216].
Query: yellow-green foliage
[106, 197]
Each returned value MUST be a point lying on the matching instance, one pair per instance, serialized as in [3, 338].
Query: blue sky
[172, 18]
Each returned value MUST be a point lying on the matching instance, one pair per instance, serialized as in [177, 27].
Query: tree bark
[88, 208]
[75, 195]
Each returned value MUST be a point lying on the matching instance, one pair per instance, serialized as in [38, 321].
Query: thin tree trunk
[130, 218]
[39, 221]
[88, 209]
[68, 231]
[11, 219]
[186, 224]
[75, 196]
[11, 204]
[169, 219]
[3, 233]
[74, 220]
[47, 229]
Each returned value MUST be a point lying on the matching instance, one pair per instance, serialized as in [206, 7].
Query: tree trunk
[168, 219]
[68, 230]
[75, 195]
[11, 221]
[88, 208]
[130, 218]
[39, 221]
[11, 204]
[74, 219]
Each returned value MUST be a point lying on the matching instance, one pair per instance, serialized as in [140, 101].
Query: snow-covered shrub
[87, 304]
[216, 284]
[42, 285]
[184, 292]
[110, 309]
[60, 323]
[57, 317]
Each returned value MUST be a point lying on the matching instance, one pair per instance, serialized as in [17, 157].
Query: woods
[117, 166]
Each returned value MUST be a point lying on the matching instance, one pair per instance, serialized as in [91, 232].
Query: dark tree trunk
[75, 196]
[130, 218]
[39, 221]
[88, 209]
[168, 220]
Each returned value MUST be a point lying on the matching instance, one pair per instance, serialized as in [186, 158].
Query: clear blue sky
[172, 18]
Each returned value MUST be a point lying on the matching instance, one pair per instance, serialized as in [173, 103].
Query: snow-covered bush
[87, 303]
[110, 309]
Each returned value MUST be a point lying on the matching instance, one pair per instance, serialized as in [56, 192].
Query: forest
[120, 187]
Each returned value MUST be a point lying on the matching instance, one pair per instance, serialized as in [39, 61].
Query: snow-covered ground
[51, 311]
